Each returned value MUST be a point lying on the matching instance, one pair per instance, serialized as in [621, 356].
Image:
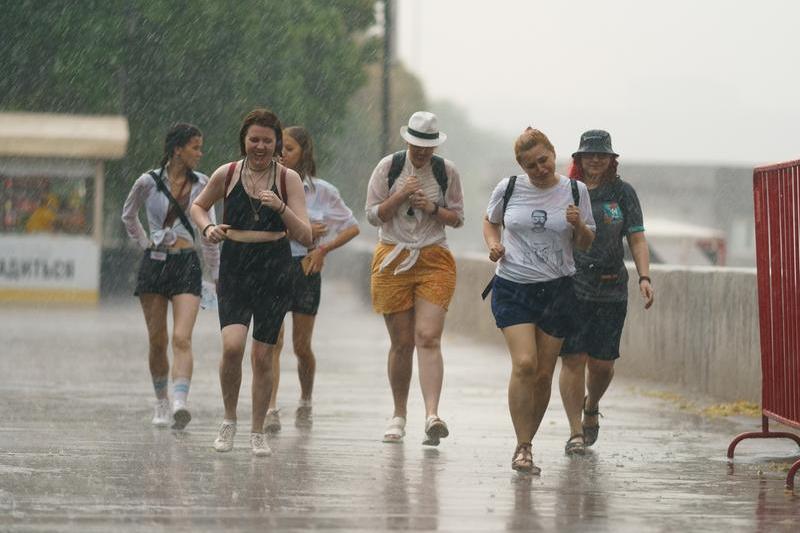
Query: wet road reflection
[77, 452]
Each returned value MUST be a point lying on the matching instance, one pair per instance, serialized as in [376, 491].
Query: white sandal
[396, 430]
[435, 430]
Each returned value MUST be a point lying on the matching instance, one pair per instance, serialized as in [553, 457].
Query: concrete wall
[701, 333]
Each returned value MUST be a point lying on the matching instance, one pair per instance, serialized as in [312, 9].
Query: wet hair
[576, 169]
[528, 139]
[178, 136]
[307, 166]
[265, 118]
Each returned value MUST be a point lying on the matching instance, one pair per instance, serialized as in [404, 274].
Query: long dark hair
[308, 166]
[179, 135]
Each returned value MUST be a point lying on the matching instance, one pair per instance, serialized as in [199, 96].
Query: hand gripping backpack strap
[173, 202]
[576, 196]
[438, 168]
[512, 181]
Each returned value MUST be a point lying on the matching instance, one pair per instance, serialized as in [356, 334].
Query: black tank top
[238, 211]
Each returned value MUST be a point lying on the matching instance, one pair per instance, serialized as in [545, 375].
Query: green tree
[201, 61]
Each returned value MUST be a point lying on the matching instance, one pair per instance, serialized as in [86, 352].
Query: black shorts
[547, 304]
[255, 281]
[307, 289]
[178, 273]
[598, 329]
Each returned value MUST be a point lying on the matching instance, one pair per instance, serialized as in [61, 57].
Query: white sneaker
[272, 422]
[162, 417]
[180, 415]
[224, 442]
[259, 445]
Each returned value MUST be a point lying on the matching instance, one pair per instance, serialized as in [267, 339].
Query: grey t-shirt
[537, 236]
[601, 274]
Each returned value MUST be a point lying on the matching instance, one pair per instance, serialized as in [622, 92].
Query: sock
[160, 386]
[180, 389]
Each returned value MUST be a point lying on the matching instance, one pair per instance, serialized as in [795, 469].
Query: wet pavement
[78, 453]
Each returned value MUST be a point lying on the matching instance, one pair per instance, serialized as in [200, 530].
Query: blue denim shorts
[548, 304]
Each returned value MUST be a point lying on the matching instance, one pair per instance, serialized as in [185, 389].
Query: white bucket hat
[423, 130]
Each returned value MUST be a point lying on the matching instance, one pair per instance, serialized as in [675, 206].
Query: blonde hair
[530, 138]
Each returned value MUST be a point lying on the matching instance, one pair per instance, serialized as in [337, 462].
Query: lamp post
[386, 74]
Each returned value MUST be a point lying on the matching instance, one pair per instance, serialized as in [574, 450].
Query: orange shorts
[432, 278]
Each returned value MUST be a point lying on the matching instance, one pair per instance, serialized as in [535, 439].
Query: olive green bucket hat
[595, 142]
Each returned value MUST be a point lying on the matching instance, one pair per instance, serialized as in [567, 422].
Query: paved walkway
[77, 452]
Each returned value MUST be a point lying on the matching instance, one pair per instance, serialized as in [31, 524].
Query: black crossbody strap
[172, 201]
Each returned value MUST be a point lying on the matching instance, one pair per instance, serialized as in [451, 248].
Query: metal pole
[386, 77]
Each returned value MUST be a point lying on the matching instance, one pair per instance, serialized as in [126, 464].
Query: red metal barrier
[776, 193]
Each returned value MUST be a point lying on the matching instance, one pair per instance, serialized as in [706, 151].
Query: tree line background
[209, 62]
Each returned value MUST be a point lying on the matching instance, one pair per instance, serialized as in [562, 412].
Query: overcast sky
[682, 81]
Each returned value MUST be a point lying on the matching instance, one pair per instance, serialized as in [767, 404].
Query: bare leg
[401, 334]
[276, 369]
[572, 384]
[428, 327]
[234, 338]
[302, 331]
[184, 315]
[547, 349]
[154, 307]
[521, 342]
[598, 378]
[261, 359]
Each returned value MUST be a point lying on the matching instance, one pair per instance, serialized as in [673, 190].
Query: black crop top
[239, 215]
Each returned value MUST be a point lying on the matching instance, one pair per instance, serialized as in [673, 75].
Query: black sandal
[590, 433]
[575, 446]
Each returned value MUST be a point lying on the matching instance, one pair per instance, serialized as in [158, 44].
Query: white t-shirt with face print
[537, 236]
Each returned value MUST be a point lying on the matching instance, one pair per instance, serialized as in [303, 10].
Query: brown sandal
[576, 445]
[523, 460]
[590, 433]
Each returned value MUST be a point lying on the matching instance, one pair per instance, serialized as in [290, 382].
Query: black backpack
[437, 165]
[576, 198]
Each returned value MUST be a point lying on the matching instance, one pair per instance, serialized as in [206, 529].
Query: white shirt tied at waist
[421, 229]
[413, 249]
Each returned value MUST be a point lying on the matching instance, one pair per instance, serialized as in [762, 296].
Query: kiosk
[51, 203]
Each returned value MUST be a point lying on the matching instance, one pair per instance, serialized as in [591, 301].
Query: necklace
[253, 181]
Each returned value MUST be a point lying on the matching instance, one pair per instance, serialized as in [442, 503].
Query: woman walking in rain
[170, 269]
[532, 224]
[601, 286]
[332, 225]
[263, 200]
[412, 196]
